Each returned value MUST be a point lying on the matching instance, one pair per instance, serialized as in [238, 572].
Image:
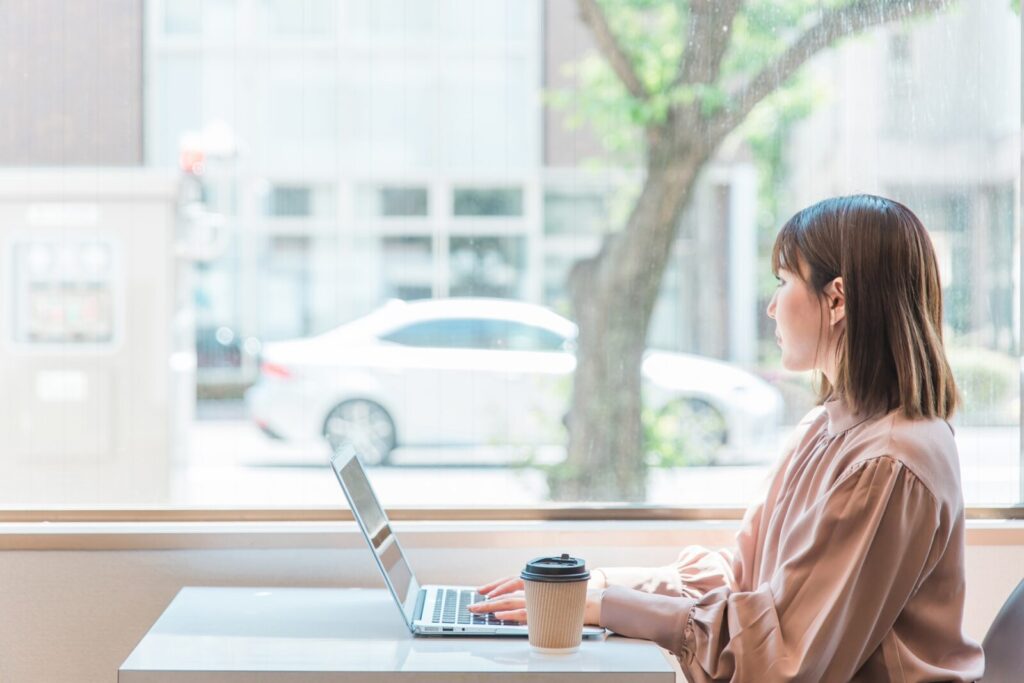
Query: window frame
[537, 513]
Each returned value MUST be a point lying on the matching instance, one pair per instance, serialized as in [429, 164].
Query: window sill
[178, 535]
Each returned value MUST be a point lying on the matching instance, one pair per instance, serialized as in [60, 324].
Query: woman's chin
[793, 365]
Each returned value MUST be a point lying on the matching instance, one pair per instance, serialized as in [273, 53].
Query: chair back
[1004, 642]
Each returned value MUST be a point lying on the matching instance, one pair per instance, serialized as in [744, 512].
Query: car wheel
[688, 432]
[705, 426]
[366, 426]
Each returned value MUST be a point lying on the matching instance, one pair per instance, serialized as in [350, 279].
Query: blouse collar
[840, 417]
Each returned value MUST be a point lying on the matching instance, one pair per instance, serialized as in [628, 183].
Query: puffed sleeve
[844, 574]
[696, 571]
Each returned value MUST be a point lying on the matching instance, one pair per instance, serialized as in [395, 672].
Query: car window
[476, 333]
[451, 333]
[515, 336]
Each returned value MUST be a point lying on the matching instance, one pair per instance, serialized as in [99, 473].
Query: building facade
[930, 114]
[361, 151]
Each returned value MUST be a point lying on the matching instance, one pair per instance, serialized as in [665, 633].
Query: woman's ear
[835, 297]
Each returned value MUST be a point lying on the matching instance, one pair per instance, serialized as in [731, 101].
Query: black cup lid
[555, 569]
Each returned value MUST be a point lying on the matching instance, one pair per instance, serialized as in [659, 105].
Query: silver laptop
[427, 610]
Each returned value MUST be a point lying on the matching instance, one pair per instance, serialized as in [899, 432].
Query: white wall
[74, 612]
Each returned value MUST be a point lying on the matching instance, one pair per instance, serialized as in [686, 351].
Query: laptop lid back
[373, 522]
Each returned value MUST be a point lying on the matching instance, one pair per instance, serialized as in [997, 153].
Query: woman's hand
[501, 587]
[506, 598]
[511, 584]
[507, 607]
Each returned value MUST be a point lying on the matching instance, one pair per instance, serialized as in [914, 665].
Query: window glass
[294, 201]
[514, 336]
[392, 201]
[407, 267]
[440, 334]
[567, 213]
[487, 266]
[489, 202]
[334, 201]
[285, 287]
[403, 201]
[290, 201]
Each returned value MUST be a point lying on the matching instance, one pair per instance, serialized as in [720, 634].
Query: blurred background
[237, 232]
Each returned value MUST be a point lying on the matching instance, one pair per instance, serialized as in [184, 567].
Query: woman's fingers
[513, 602]
[501, 586]
[513, 615]
[511, 585]
[510, 607]
[487, 588]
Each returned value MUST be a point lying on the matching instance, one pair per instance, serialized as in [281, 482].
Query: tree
[684, 91]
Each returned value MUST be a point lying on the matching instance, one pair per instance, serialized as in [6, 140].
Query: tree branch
[834, 24]
[594, 17]
[709, 34]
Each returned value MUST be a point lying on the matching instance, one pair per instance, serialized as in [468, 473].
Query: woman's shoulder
[925, 447]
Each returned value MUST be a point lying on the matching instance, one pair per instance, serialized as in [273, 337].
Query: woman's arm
[695, 572]
[843, 577]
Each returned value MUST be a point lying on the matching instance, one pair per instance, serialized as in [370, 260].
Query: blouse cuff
[664, 580]
[666, 620]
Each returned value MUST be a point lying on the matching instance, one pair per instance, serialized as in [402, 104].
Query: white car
[456, 372]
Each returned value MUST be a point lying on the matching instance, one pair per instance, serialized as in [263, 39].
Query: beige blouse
[850, 569]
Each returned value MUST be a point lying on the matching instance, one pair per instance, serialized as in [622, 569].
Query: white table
[352, 635]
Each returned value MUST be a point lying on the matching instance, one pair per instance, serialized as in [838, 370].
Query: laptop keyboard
[452, 608]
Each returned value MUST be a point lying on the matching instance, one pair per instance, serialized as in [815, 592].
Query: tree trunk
[613, 296]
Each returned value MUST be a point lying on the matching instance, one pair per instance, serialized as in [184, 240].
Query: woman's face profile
[800, 322]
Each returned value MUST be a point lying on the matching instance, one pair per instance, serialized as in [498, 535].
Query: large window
[359, 219]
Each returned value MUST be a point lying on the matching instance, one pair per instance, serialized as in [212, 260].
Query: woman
[852, 566]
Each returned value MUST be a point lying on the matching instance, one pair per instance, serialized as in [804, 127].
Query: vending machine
[90, 364]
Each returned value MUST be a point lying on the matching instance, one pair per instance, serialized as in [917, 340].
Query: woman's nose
[771, 307]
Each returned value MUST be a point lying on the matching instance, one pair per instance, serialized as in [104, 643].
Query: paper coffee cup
[556, 597]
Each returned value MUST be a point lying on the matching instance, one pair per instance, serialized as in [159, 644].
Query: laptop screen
[373, 521]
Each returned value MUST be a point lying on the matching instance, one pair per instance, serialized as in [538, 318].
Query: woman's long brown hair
[890, 354]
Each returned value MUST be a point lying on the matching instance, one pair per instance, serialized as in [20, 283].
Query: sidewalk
[232, 463]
